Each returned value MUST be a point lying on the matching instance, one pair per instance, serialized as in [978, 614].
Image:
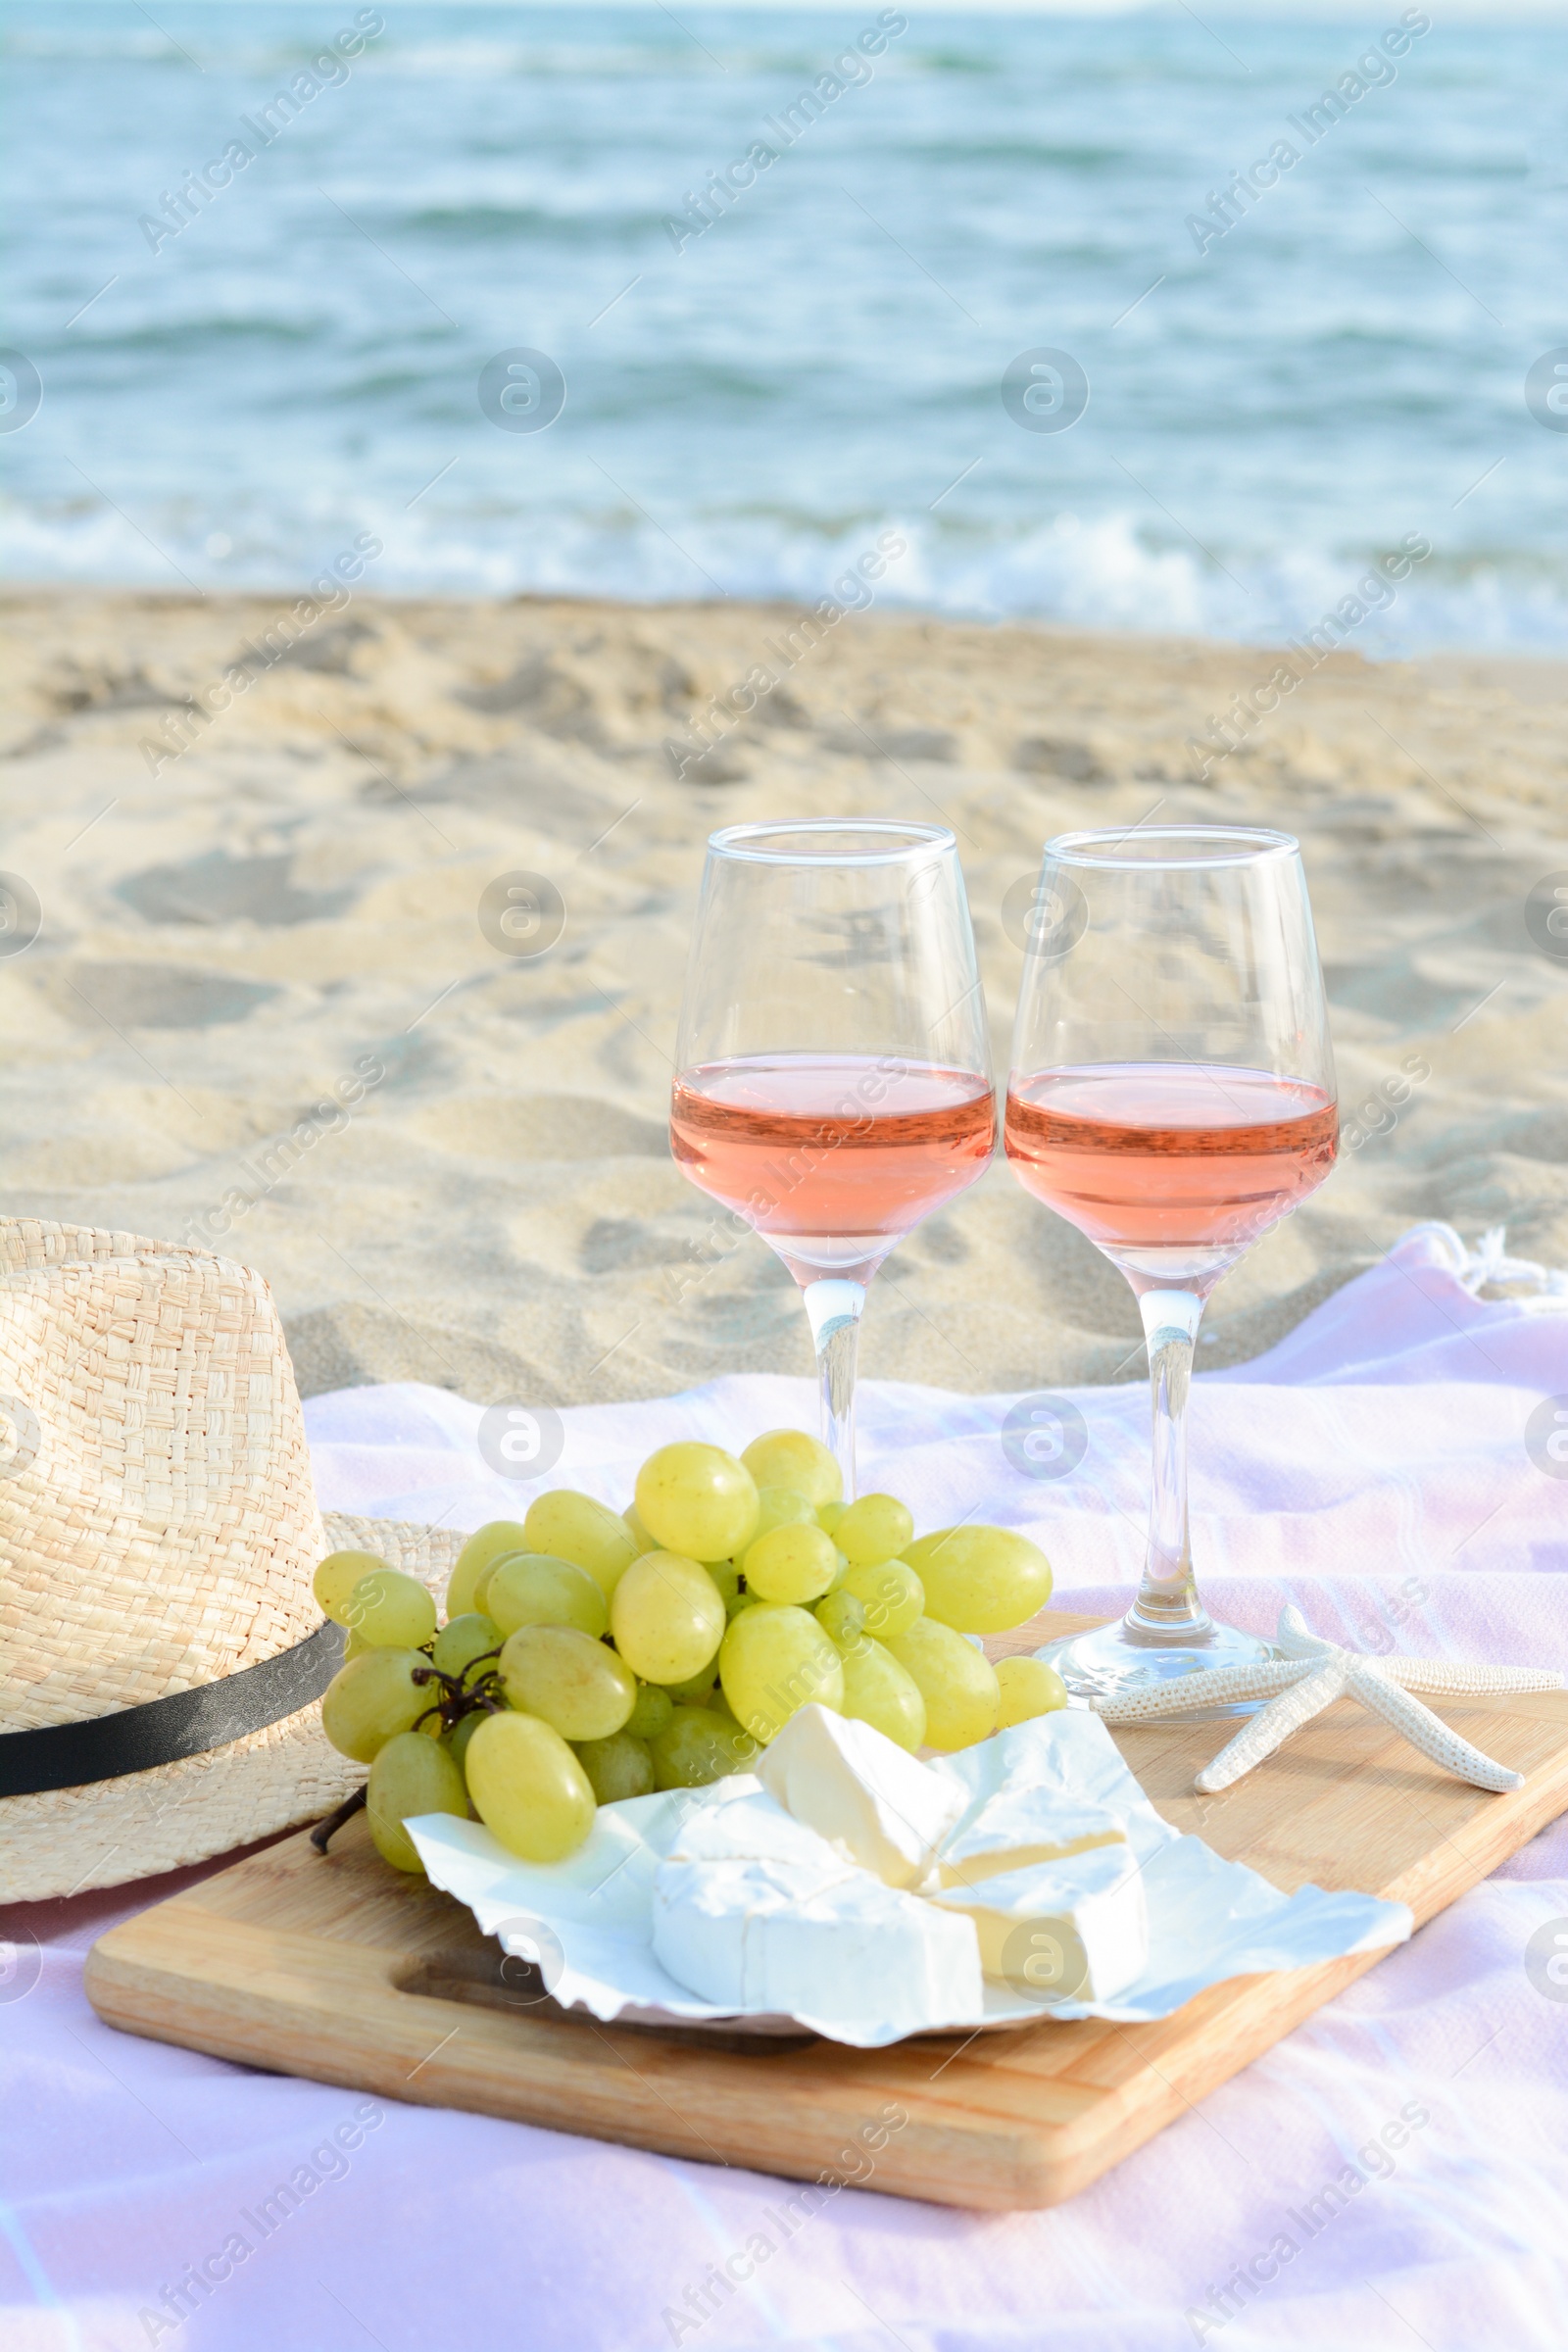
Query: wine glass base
[1105, 1663]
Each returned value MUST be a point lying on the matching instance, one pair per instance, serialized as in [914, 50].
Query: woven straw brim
[66, 1841]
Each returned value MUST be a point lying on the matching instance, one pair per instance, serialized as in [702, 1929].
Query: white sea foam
[1096, 576]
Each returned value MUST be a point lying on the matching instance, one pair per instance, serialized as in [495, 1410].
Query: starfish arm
[1459, 1675]
[1216, 1686]
[1425, 1731]
[1266, 1732]
[1295, 1637]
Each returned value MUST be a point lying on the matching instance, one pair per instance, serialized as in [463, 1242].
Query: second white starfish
[1308, 1678]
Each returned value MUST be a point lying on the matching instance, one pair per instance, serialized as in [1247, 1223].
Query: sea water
[1040, 305]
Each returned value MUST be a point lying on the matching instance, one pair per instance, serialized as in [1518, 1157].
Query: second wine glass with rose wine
[833, 1080]
[1172, 1096]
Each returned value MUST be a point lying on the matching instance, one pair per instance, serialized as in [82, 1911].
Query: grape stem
[459, 1696]
[346, 1811]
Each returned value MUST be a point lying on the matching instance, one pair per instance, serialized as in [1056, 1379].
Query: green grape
[336, 1577]
[529, 1789]
[1029, 1687]
[745, 1747]
[788, 1457]
[650, 1711]
[481, 1585]
[696, 1688]
[482, 1549]
[892, 1595]
[738, 1602]
[640, 1537]
[774, 1659]
[726, 1577]
[697, 1746]
[457, 1740]
[570, 1681]
[667, 1617]
[462, 1640]
[411, 1775]
[573, 1527]
[980, 1579]
[372, 1699]
[828, 1515]
[842, 1618]
[530, 1589]
[619, 1767]
[392, 1611]
[781, 1506]
[878, 1690]
[962, 1698]
[355, 1646]
[697, 1501]
[792, 1564]
[876, 1528]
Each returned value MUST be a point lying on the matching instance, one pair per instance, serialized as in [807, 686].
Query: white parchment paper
[1208, 1919]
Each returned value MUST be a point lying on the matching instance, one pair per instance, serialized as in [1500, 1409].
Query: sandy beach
[261, 1010]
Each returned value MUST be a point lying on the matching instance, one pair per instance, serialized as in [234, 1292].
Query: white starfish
[1310, 1676]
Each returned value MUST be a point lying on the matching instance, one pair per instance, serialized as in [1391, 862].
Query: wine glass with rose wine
[833, 1079]
[1172, 1094]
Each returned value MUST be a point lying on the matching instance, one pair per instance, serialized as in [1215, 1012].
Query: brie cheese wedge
[736, 1821]
[876, 1803]
[1016, 1829]
[759, 1915]
[1076, 1929]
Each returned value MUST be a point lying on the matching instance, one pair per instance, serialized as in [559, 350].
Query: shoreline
[227, 936]
[20, 593]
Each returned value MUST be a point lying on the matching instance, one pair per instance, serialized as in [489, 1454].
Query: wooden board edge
[155, 1984]
[1460, 1860]
[150, 1995]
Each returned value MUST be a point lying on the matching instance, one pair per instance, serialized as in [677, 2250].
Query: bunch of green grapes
[588, 1657]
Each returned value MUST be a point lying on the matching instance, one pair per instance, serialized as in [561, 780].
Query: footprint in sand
[218, 888]
[156, 996]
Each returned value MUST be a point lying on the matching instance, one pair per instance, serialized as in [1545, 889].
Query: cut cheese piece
[876, 1803]
[1018, 1827]
[1068, 1760]
[729, 1822]
[808, 1939]
[1074, 1930]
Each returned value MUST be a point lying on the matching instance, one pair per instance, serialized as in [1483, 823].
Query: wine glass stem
[835, 1308]
[1167, 1607]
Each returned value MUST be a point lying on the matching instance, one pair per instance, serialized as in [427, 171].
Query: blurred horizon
[1270, 393]
[1285, 12]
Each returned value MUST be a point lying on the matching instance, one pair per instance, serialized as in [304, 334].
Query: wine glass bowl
[832, 1082]
[1173, 1172]
[833, 1158]
[1172, 1096]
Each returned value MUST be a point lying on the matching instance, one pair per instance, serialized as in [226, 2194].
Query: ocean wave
[556, 60]
[1100, 573]
[27, 41]
[587, 221]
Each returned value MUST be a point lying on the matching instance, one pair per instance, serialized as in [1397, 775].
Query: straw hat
[158, 1537]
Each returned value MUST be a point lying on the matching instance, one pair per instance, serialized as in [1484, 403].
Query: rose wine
[1170, 1166]
[832, 1157]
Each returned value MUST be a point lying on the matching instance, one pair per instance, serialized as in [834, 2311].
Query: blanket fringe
[1489, 1263]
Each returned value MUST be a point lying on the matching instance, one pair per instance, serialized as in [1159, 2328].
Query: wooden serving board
[338, 1969]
